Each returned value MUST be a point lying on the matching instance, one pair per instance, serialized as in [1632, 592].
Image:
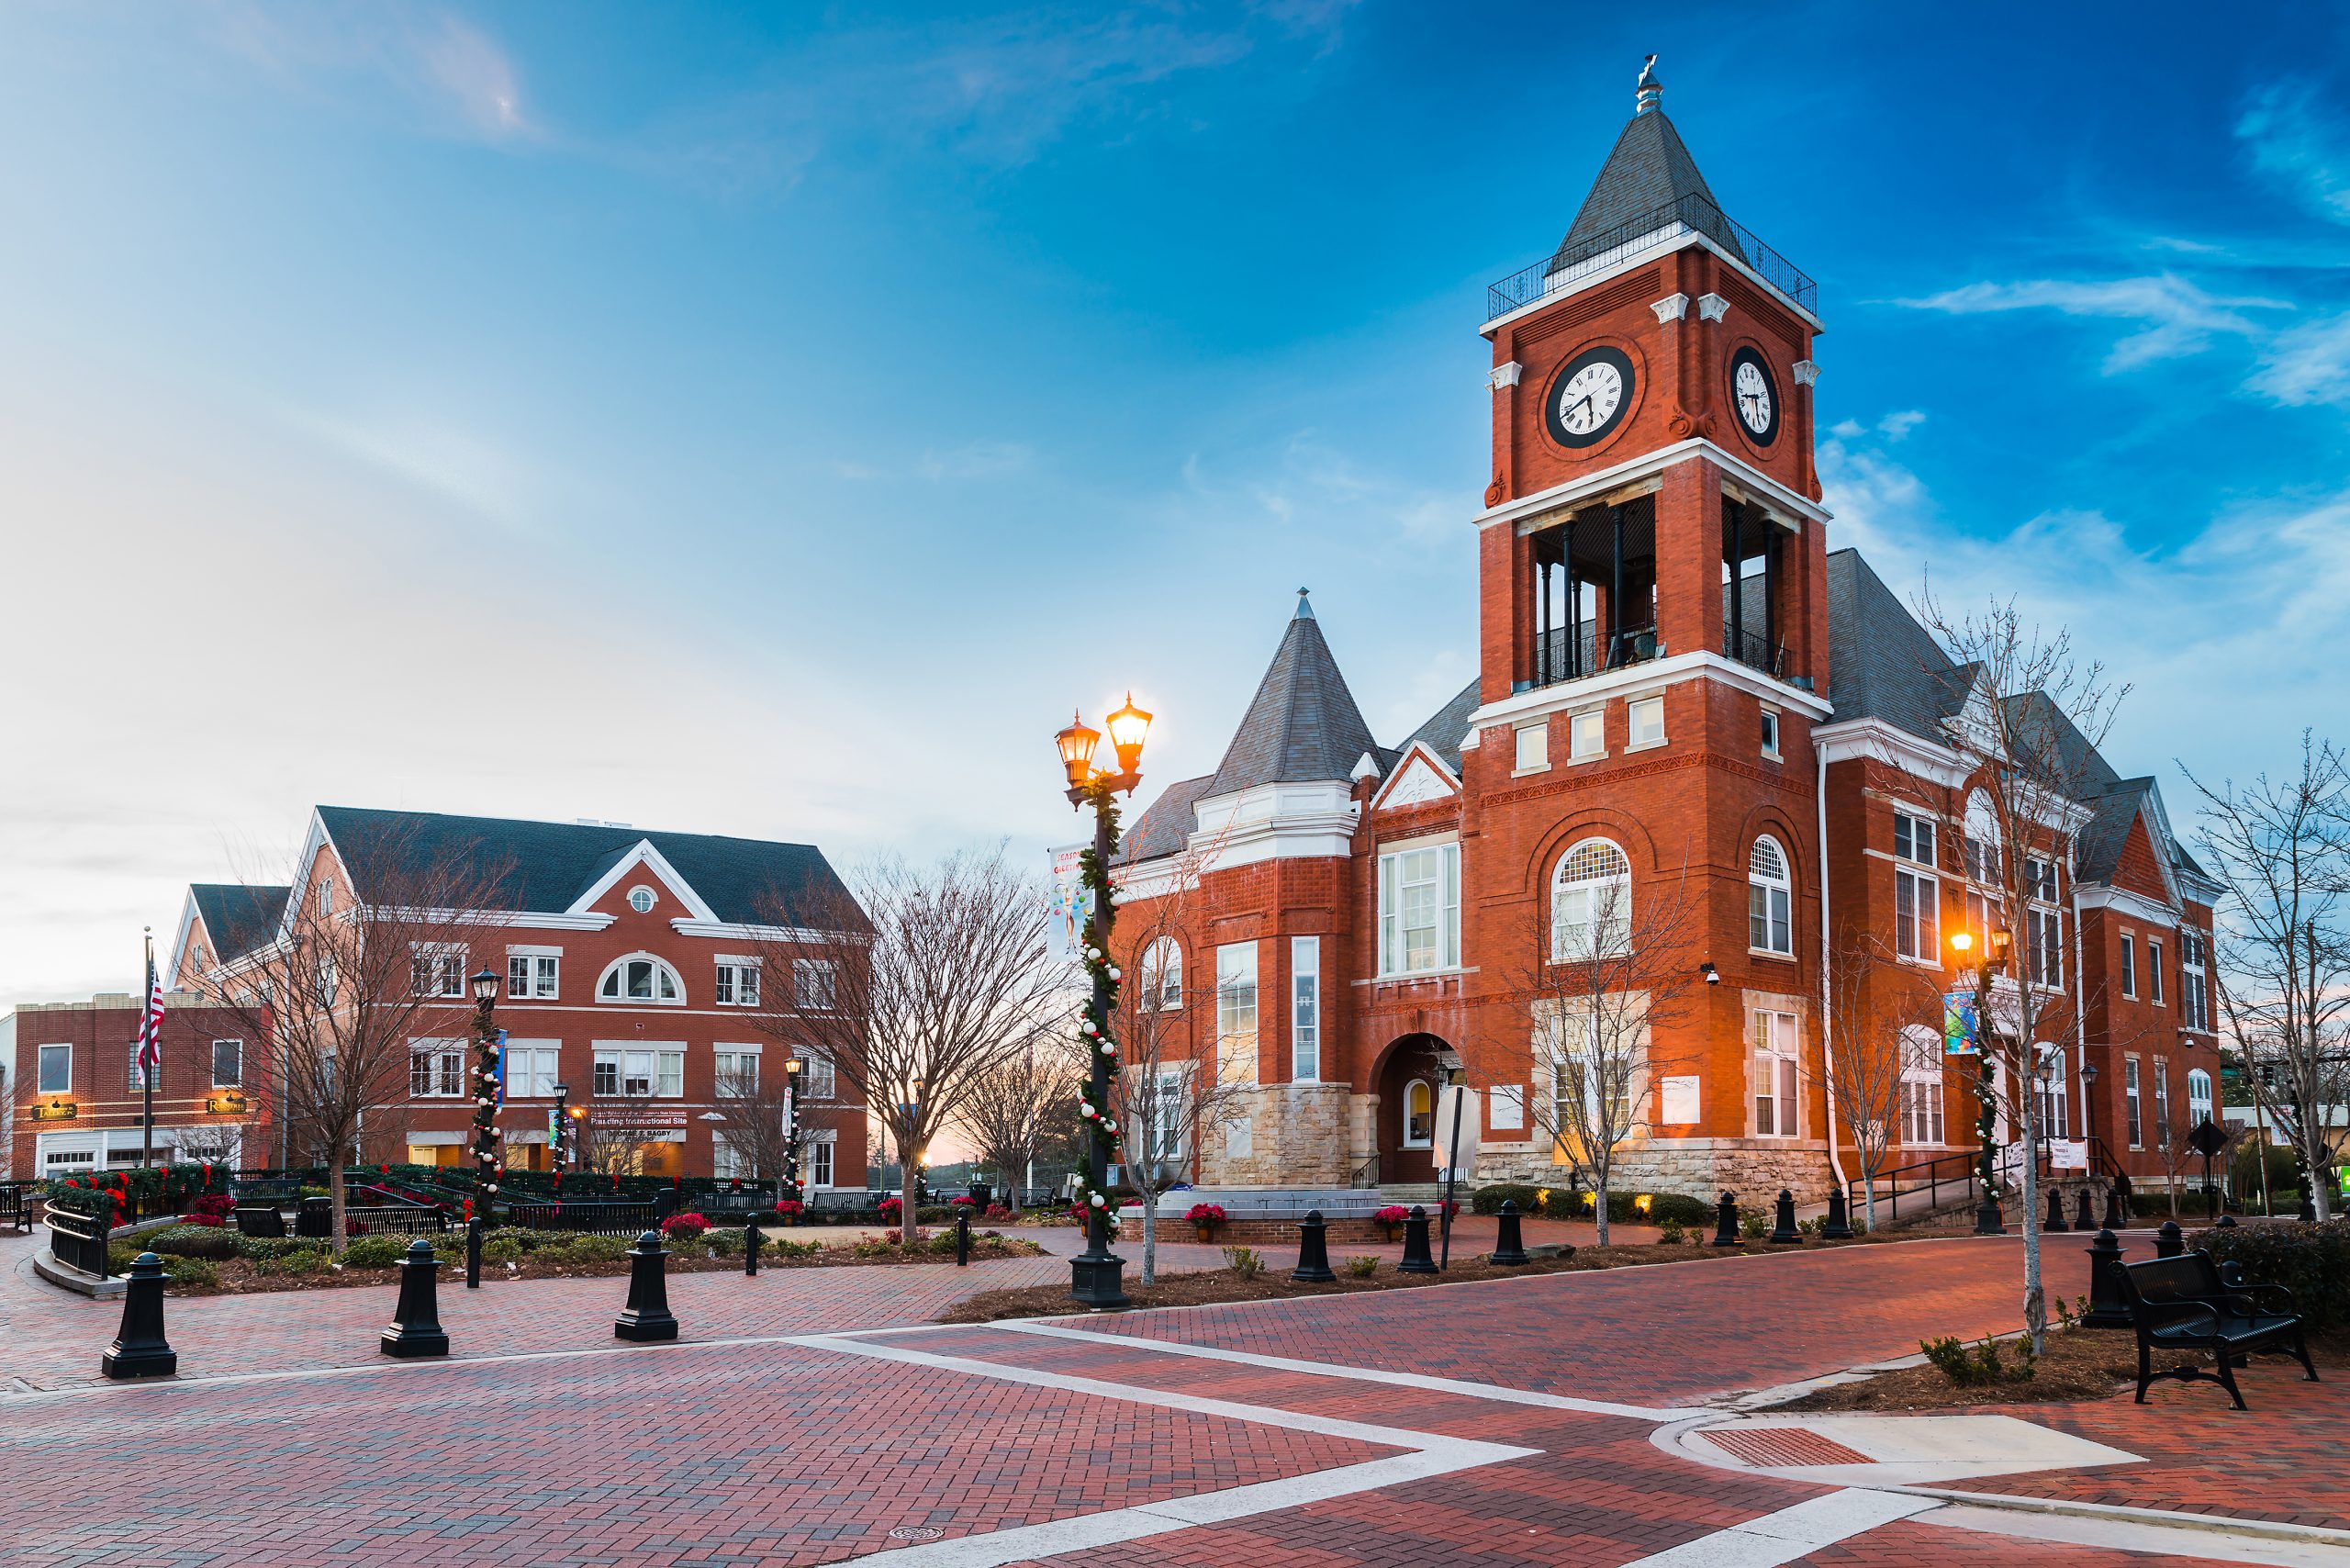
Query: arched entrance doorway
[1414, 1068]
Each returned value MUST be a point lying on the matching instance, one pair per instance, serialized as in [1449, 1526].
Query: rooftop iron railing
[1569, 265]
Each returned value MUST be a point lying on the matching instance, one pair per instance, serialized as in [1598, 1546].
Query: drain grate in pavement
[915, 1532]
[1767, 1448]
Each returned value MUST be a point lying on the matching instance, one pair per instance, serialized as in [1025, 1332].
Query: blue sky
[771, 419]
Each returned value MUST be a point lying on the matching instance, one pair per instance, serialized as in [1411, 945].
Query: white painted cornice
[1420, 749]
[1878, 741]
[2122, 900]
[1575, 492]
[1654, 676]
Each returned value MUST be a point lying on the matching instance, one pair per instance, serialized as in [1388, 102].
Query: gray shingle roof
[543, 868]
[2110, 814]
[238, 917]
[1165, 824]
[1649, 167]
[1880, 663]
[1447, 728]
[1302, 724]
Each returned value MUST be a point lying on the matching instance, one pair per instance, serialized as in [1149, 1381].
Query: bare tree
[1877, 1015]
[609, 1139]
[1607, 974]
[1018, 1106]
[2030, 717]
[916, 986]
[362, 972]
[757, 1106]
[1174, 1091]
[2282, 849]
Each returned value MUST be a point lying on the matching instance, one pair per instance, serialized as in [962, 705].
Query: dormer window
[642, 977]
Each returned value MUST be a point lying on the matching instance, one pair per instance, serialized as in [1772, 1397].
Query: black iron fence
[1754, 650]
[589, 1217]
[1569, 265]
[78, 1240]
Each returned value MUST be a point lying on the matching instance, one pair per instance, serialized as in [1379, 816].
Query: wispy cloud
[454, 76]
[2307, 364]
[2297, 139]
[2173, 316]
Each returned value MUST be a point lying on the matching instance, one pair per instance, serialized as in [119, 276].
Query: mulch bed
[1208, 1287]
[239, 1277]
[2079, 1364]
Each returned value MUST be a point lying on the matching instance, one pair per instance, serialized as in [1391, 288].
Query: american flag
[150, 1025]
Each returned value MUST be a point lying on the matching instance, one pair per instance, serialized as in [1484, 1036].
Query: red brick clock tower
[1653, 636]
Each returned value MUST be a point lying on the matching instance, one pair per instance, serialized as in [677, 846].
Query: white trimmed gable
[1420, 777]
[643, 854]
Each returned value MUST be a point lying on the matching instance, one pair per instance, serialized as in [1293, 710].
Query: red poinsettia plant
[1206, 1214]
[685, 1227]
[890, 1208]
[790, 1208]
[1393, 1213]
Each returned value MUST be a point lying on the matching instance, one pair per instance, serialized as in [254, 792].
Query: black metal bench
[17, 1201]
[2183, 1304]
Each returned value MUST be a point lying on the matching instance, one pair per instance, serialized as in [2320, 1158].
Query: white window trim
[212, 1064]
[1773, 748]
[1759, 1052]
[1540, 729]
[619, 966]
[1312, 946]
[1597, 715]
[65, 1045]
[619, 1051]
[1784, 885]
[2130, 965]
[1930, 892]
[1631, 723]
[737, 965]
[1404, 1131]
[1560, 954]
[1391, 930]
[2154, 972]
[1155, 973]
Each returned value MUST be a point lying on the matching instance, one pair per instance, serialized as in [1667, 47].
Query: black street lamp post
[485, 1160]
[559, 1139]
[1095, 1274]
[788, 1177]
[1988, 1220]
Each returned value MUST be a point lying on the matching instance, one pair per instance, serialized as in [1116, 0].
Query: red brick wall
[102, 1095]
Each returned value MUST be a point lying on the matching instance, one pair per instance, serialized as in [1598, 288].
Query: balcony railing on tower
[1594, 606]
[1565, 269]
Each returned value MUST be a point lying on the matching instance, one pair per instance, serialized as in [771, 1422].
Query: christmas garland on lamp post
[488, 1167]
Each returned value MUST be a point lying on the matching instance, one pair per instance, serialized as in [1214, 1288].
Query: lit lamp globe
[486, 985]
[1128, 726]
[1076, 743]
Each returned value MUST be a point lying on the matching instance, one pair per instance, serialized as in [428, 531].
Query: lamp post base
[1988, 1220]
[1098, 1282]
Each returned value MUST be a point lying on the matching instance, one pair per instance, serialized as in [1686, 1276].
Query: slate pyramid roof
[240, 916]
[1649, 168]
[1302, 724]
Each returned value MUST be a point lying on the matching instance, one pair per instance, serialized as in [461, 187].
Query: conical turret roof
[1302, 724]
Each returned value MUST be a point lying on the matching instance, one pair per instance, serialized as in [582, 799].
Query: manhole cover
[915, 1532]
[1768, 1448]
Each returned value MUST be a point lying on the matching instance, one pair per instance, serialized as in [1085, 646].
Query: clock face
[1755, 396]
[1590, 397]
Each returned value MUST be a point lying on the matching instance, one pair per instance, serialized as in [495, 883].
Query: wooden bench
[2183, 1304]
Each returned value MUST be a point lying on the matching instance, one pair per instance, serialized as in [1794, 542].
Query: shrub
[503, 1249]
[1000, 1212]
[1488, 1199]
[686, 1227]
[588, 1249]
[1670, 1233]
[726, 1243]
[1977, 1366]
[379, 1251]
[934, 1214]
[2310, 1261]
[193, 1271]
[192, 1241]
[307, 1259]
[529, 1240]
[262, 1248]
[120, 1256]
[1363, 1265]
[1245, 1261]
[1754, 1226]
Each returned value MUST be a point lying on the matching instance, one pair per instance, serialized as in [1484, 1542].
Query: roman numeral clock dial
[1590, 397]
[1755, 396]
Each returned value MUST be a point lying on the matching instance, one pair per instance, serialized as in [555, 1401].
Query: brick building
[635, 973]
[76, 1091]
[1683, 694]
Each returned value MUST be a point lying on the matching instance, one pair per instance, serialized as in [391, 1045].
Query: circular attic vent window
[640, 899]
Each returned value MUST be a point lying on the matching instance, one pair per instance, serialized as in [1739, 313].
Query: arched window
[641, 977]
[1770, 894]
[2198, 1096]
[1419, 1114]
[1591, 904]
[1163, 975]
[1983, 840]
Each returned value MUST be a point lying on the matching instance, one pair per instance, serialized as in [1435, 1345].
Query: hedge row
[1562, 1202]
[2312, 1260]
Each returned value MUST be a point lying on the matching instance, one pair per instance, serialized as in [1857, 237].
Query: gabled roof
[545, 868]
[238, 917]
[1447, 728]
[1880, 663]
[1649, 168]
[1166, 824]
[1302, 724]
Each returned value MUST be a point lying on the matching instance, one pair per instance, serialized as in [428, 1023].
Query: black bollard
[646, 1315]
[1509, 1238]
[1726, 1221]
[1838, 1223]
[2169, 1240]
[1312, 1250]
[962, 1236]
[1782, 1230]
[753, 1239]
[2084, 1216]
[2224, 1222]
[140, 1349]
[2115, 1219]
[1417, 1259]
[473, 1253]
[416, 1321]
[2056, 1220]
[2106, 1309]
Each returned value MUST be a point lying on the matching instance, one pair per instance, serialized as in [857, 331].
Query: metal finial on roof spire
[1647, 92]
[1304, 609]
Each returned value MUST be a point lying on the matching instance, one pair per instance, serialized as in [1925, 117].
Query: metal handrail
[1556, 272]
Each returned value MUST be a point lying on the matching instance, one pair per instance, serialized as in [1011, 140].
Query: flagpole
[147, 1071]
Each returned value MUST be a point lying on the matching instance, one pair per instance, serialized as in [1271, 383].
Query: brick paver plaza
[817, 1415]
